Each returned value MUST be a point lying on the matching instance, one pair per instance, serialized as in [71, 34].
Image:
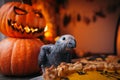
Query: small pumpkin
[19, 56]
[21, 20]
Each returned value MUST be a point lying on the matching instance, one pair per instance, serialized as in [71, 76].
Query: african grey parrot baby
[55, 54]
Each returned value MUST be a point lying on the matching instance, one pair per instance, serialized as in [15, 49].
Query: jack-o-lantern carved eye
[19, 11]
[39, 14]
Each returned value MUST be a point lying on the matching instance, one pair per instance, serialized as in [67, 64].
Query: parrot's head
[66, 40]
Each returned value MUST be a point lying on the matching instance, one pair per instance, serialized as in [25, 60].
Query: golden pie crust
[84, 69]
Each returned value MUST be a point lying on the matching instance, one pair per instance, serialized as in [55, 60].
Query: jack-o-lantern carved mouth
[20, 28]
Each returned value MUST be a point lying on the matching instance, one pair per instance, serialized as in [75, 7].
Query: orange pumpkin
[21, 20]
[19, 56]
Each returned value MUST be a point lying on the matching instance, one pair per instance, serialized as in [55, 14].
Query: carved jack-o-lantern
[21, 20]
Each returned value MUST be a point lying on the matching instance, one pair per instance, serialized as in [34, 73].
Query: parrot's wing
[42, 58]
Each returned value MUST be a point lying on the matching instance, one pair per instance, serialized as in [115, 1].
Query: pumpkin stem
[26, 2]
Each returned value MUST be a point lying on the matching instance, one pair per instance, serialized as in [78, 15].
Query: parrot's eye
[63, 38]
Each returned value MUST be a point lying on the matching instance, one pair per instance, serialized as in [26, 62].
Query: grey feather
[55, 54]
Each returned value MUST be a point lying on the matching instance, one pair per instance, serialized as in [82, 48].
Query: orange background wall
[97, 37]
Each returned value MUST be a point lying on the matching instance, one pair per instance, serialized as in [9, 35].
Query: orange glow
[46, 28]
[48, 36]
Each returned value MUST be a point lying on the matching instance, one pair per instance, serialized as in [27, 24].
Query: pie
[86, 69]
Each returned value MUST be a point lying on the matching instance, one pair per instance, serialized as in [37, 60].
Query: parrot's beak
[72, 43]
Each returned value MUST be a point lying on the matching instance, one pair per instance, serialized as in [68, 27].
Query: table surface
[30, 77]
